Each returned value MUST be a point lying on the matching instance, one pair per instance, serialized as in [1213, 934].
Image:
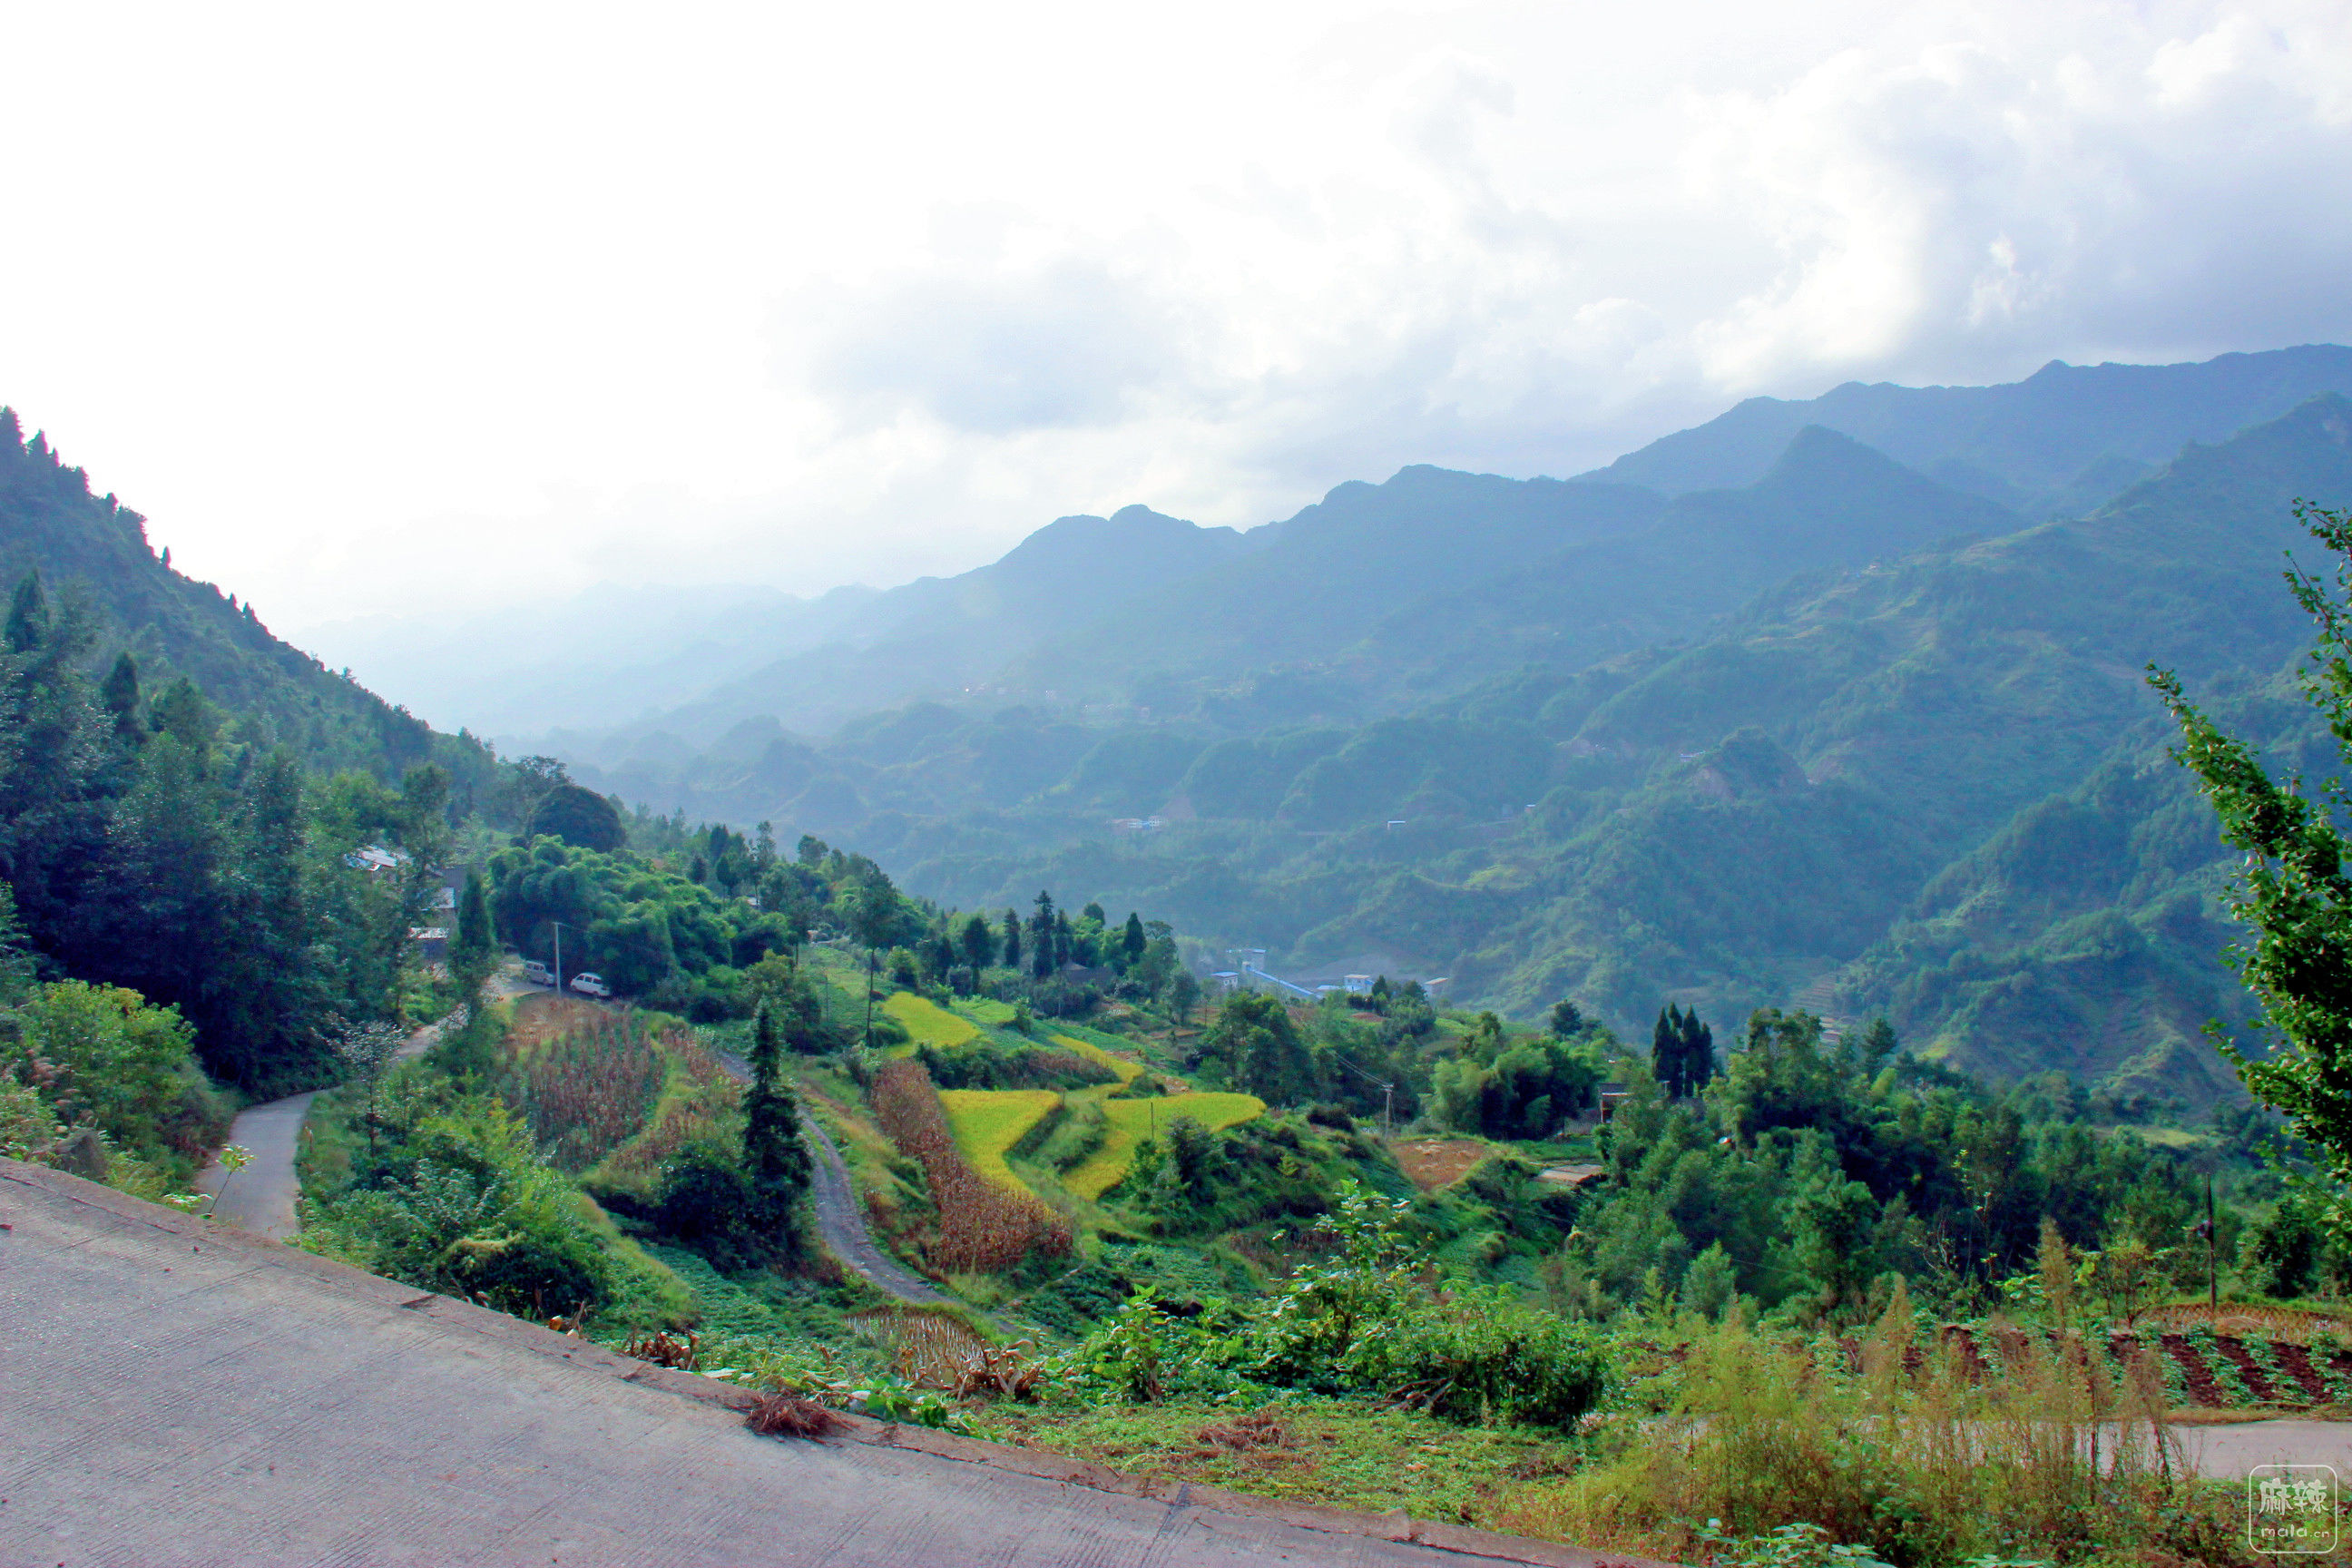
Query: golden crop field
[988, 1121]
[1095, 1053]
[929, 1024]
[1133, 1121]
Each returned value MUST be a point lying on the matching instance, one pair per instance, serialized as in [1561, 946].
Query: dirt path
[840, 1217]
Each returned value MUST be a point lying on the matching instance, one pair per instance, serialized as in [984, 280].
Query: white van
[536, 972]
[590, 985]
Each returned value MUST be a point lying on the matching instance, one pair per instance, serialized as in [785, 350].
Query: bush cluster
[1374, 1316]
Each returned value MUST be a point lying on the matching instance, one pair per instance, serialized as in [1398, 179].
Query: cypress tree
[1132, 940]
[1698, 1053]
[773, 1155]
[1011, 939]
[474, 948]
[28, 616]
[121, 695]
[1665, 1051]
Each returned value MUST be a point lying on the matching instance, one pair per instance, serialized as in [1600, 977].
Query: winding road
[841, 1219]
[261, 1197]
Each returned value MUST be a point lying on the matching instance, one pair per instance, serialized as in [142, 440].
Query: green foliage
[452, 1197]
[2292, 893]
[1526, 1090]
[580, 818]
[1682, 1052]
[99, 1055]
[1811, 1169]
[1361, 1319]
[1256, 1047]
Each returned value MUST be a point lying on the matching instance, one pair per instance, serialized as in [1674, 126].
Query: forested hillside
[175, 626]
[2057, 444]
[181, 794]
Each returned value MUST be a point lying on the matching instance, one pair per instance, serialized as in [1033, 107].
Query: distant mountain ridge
[2057, 444]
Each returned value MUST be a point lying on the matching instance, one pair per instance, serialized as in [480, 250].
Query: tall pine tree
[775, 1157]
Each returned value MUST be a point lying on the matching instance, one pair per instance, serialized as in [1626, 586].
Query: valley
[1549, 1007]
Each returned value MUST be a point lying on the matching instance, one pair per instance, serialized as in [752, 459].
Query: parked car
[590, 985]
[536, 972]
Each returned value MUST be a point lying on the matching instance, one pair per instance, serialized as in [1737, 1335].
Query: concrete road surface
[260, 1198]
[178, 1392]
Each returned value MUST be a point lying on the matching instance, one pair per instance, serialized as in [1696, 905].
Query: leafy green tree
[28, 615]
[1567, 1022]
[2292, 891]
[121, 694]
[1260, 1050]
[578, 817]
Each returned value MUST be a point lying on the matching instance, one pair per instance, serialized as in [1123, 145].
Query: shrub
[1368, 1318]
[454, 1199]
[707, 1204]
[101, 1056]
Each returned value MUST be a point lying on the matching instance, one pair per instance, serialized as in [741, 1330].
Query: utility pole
[869, 998]
[2208, 1229]
[558, 956]
[2212, 1250]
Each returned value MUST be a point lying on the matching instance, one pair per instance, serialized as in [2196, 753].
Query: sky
[384, 311]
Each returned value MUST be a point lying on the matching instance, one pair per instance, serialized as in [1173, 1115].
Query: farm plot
[1132, 1120]
[1435, 1162]
[1125, 1070]
[989, 1122]
[927, 1024]
[985, 1226]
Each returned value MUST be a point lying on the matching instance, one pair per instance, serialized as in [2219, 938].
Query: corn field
[701, 1112]
[982, 1228]
[587, 1091]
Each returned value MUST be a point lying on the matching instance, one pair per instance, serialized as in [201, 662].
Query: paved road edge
[514, 1332]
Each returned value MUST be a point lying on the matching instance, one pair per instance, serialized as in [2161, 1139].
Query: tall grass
[1901, 1446]
[983, 1229]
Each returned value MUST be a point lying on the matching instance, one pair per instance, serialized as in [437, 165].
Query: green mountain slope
[175, 626]
[1829, 799]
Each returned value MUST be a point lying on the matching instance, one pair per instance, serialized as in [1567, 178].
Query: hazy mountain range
[1837, 703]
[1844, 732]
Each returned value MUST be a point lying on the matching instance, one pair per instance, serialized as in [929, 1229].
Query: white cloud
[362, 314]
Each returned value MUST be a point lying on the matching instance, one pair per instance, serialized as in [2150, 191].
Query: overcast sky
[373, 307]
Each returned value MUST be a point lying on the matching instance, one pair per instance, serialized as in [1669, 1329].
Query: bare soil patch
[1435, 1162]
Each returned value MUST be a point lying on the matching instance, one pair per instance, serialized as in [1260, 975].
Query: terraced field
[929, 1024]
[1125, 1070]
[988, 1121]
[1132, 1120]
